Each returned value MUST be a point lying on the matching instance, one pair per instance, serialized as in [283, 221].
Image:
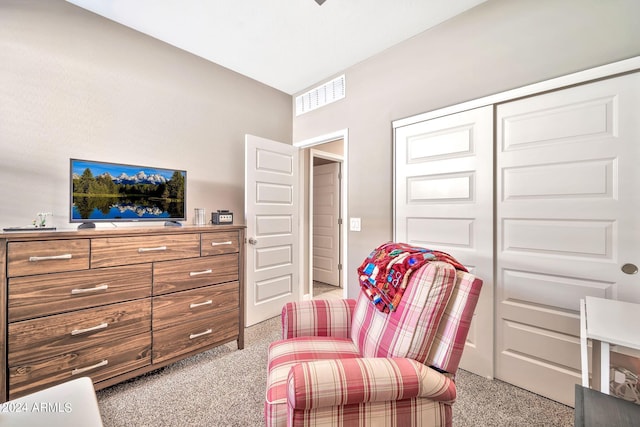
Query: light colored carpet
[220, 387]
[225, 387]
[325, 291]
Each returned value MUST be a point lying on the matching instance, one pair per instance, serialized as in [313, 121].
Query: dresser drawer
[100, 362]
[47, 256]
[112, 251]
[174, 276]
[46, 337]
[195, 304]
[36, 296]
[220, 243]
[194, 335]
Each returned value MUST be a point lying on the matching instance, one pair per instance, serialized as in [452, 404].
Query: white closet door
[567, 220]
[444, 201]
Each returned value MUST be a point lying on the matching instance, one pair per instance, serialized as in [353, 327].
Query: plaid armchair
[345, 363]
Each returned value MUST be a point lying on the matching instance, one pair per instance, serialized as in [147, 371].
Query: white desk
[606, 322]
[71, 404]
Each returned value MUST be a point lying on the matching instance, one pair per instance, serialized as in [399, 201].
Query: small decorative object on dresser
[114, 304]
[222, 217]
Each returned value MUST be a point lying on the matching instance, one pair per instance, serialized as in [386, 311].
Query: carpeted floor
[325, 291]
[225, 387]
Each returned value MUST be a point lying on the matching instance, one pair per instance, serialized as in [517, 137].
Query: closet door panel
[566, 190]
[444, 200]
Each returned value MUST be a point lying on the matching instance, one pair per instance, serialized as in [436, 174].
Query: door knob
[253, 241]
[629, 269]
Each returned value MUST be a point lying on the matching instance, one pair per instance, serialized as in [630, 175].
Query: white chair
[606, 322]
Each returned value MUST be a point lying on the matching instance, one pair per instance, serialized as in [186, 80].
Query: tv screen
[111, 192]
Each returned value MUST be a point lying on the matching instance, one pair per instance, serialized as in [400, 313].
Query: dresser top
[115, 231]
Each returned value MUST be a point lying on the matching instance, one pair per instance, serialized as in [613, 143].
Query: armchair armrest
[320, 318]
[364, 380]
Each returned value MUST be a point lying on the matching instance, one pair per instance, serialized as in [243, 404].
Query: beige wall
[74, 84]
[499, 45]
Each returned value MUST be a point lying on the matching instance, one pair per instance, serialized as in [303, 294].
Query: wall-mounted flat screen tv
[114, 192]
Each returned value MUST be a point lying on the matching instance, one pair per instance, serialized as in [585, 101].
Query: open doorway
[330, 149]
[325, 220]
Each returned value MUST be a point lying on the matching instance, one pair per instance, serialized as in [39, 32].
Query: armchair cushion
[408, 331]
[284, 354]
[303, 349]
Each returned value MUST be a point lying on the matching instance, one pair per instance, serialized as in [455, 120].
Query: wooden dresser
[115, 303]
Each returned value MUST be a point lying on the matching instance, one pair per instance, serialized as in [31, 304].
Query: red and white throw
[384, 274]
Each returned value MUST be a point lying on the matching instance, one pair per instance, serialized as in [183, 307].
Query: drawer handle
[77, 371]
[156, 249]
[208, 331]
[198, 273]
[94, 289]
[49, 258]
[199, 304]
[91, 329]
[229, 242]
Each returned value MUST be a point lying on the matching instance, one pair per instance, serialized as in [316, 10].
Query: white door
[567, 212]
[326, 230]
[444, 201]
[271, 216]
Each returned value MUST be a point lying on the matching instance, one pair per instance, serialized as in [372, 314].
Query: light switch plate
[354, 224]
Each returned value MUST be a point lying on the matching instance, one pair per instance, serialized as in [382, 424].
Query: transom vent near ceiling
[320, 96]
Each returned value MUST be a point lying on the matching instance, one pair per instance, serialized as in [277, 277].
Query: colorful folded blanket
[384, 274]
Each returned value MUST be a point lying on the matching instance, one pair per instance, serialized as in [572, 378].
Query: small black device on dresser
[222, 217]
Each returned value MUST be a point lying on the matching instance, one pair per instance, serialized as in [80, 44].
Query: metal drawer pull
[159, 248]
[93, 328]
[221, 243]
[197, 273]
[77, 371]
[48, 258]
[198, 304]
[208, 331]
[94, 289]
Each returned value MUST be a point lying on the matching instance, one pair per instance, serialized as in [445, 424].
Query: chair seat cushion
[283, 354]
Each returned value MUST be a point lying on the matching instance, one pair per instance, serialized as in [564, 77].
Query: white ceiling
[287, 44]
